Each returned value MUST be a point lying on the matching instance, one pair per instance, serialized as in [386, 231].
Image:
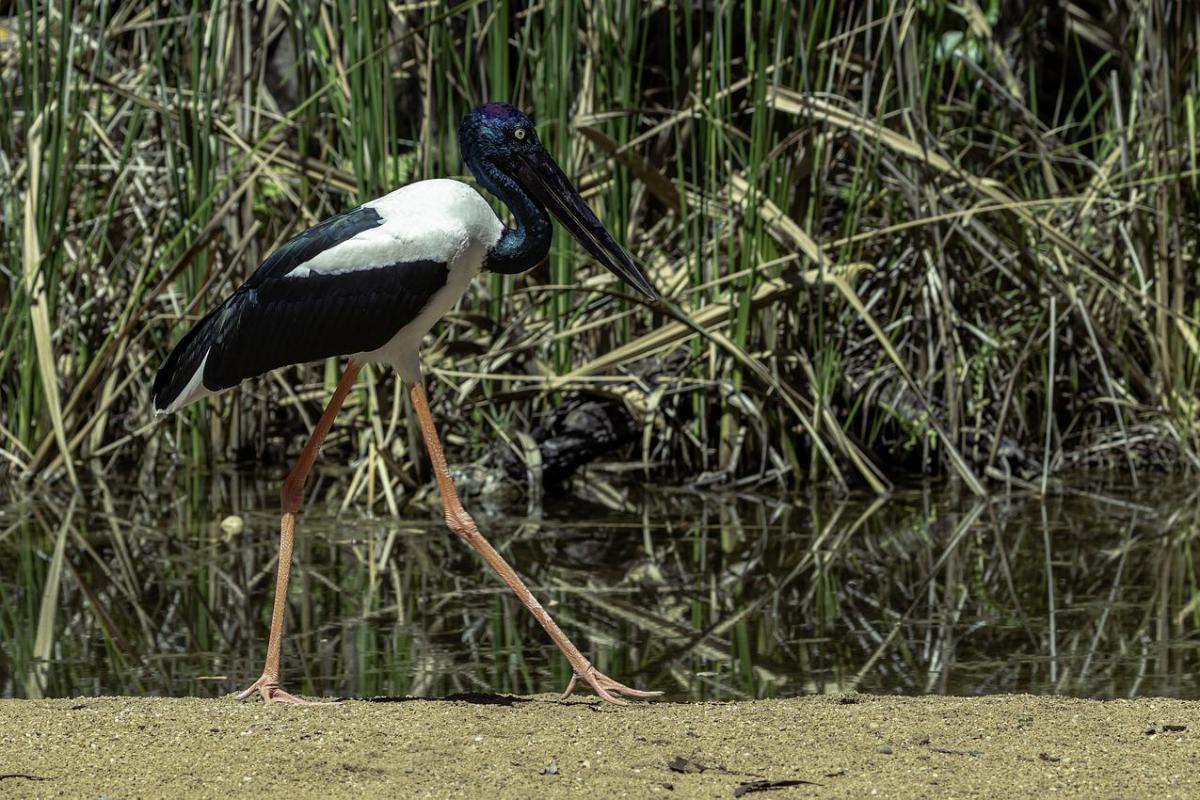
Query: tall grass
[892, 238]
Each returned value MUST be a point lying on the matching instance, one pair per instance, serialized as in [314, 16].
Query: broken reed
[914, 238]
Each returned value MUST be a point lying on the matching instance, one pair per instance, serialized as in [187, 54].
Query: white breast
[436, 220]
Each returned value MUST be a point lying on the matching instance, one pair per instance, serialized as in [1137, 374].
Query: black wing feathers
[317, 239]
[173, 376]
[272, 320]
[296, 320]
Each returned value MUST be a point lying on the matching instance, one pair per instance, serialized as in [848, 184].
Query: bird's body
[369, 284]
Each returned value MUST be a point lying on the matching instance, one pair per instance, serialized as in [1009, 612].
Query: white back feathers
[434, 220]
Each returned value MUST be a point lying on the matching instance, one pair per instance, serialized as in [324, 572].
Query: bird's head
[499, 136]
[496, 132]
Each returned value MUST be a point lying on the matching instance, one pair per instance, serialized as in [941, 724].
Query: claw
[271, 693]
[605, 687]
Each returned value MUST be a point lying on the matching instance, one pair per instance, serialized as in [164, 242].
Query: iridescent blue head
[502, 150]
[495, 129]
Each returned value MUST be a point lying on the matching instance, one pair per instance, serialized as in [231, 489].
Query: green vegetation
[924, 237]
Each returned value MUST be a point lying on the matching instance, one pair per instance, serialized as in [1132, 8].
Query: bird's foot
[606, 687]
[268, 687]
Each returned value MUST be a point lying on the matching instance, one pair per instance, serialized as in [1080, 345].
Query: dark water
[143, 590]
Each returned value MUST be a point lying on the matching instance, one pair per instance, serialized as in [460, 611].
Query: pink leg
[461, 523]
[292, 495]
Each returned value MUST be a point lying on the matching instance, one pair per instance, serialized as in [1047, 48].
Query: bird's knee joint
[291, 496]
[461, 523]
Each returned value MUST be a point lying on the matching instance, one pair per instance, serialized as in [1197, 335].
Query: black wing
[308, 245]
[273, 321]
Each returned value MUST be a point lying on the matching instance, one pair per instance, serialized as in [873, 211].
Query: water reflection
[166, 590]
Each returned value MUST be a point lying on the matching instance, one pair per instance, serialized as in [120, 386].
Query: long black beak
[541, 176]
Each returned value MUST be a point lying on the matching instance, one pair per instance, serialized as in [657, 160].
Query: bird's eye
[519, 134]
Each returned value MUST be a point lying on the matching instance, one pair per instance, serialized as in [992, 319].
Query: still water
[167, 589]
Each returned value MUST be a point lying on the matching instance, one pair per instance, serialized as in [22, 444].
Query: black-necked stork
[369, 284]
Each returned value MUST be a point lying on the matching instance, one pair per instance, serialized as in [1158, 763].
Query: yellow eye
[519, 134]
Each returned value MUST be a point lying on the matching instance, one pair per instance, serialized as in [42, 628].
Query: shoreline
[510, 747]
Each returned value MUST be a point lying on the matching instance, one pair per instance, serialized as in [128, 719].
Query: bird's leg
[461, 523]
[292, 495]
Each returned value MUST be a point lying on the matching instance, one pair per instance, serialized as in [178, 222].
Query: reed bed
[952, 239]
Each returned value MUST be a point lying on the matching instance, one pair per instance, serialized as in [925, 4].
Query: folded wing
[345, 286]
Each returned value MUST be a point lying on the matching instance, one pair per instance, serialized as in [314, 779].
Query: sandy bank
[532, 747]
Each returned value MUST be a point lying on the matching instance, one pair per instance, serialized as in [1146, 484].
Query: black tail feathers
[180, 367]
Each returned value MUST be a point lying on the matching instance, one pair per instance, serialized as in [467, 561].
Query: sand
[494, 747]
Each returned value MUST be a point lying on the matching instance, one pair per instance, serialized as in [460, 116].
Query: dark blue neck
[521, 248]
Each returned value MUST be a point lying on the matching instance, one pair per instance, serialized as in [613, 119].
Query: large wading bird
[369, 284]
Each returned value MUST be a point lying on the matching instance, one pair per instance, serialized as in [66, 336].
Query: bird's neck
[521, 248]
